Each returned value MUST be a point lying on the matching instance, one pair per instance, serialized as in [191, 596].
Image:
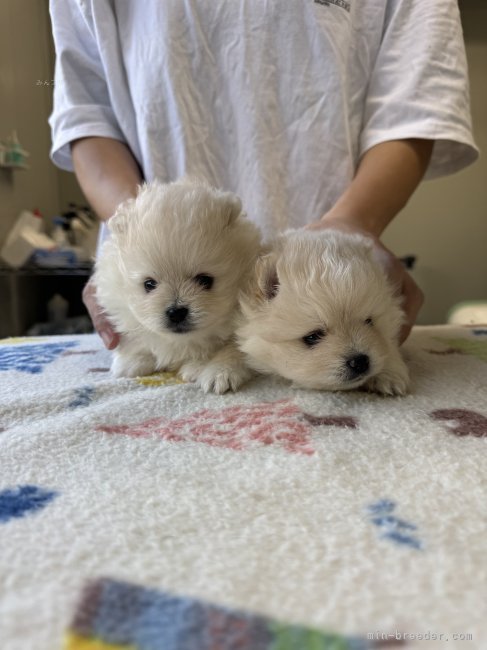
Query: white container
[18, 245]
[17, 250]
[28, 219]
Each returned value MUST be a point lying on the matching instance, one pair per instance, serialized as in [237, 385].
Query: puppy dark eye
[206, 281]
[369, 321]
[149, 284]
[313, 338]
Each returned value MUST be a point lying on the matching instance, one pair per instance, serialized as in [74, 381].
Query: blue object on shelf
[56, 258]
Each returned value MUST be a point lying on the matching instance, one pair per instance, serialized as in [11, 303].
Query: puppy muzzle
[357, 367]
[178, 319]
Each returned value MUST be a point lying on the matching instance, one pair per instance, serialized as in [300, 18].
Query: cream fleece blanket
[362, 517]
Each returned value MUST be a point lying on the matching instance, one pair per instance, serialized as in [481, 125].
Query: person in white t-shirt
[316, 113]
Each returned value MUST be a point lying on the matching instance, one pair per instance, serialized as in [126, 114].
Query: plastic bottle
[30, 219]
[59, 233]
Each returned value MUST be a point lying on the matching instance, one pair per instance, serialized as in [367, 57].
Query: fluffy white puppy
[322, 313]
[168, 278]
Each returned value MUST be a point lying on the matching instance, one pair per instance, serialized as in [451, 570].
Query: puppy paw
[389, 382]
[191, 371]
[214, 377]
[219, 379]
[125, 366]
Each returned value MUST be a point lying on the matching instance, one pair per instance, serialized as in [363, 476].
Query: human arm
[386, 177]
[108, 174]
[415, 119]
[106, 171]
[87, 135]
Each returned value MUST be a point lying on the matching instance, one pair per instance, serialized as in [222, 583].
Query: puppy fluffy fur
[168, 278]
[322, 313]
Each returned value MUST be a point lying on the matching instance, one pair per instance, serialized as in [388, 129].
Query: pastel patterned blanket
[141, 514]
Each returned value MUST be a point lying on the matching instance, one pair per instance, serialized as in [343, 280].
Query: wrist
[351, 222]
[385, 179]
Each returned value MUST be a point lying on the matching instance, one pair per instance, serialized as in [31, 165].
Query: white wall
[24, 106]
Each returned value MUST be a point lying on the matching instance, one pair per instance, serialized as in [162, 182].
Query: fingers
[413, 299]
[411, 295]
[100, 322]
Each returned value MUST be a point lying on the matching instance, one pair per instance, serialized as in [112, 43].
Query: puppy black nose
[358, 365]
[176, 314]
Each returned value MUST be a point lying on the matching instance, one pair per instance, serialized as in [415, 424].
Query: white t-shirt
[274, 100]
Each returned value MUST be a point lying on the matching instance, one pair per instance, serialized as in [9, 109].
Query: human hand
[411, 295]
[102, 325]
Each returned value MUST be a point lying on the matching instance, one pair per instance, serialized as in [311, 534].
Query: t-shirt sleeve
[81, 106]
[419, 84]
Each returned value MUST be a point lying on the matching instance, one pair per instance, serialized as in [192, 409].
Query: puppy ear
[118, 222]
[267, 277]
[231, 208]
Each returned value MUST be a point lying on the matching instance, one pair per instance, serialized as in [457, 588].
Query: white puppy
[168, 278]
[322, 313]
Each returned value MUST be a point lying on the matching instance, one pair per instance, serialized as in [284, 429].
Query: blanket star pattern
[324, 520]
[129, 616]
